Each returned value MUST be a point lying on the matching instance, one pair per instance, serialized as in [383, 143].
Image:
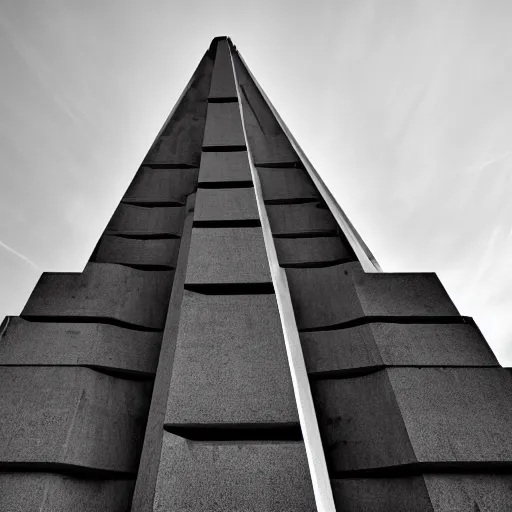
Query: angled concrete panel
[332, 295]
[227, 256]
[383, 344]
[151, 253]
[103, 291]
[221, 167]
[286, 185]
[47, 492]
[311, 251]
[60, 417]
[161, 186]
[140, 221]
[300, 220]
[223, 80]
[223, 125]
[79, 344]
[229, 368]
[402, 416]
[256, 476]
[225, 205]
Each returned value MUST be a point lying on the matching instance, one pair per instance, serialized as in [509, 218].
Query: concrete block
[227, 256]
[229, 369]
[382, 344]
[223, 80]
[223, 125]
[161, 252]
[333, 295]
[225, 205]
[300, 220]
[60, 417]
[142, 222]
[100, 346]
[281, 185]
[103, 291]
[400, 416]
[169, 187]
[221, 167]
[425, 493]
[47, 492]
[256, 477]
[311, 251]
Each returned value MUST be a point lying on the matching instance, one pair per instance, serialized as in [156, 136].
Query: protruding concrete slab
[226, 205]
[223, 80]
[256, 476]
[383, 344]
[425, 493]
[161, 252]
[398, 416]
[311, 251]
[142, 222]
[229, 368]
[103, 291]
[161, 186]
[79, 344]
[222, 167]
[300, 220]
[223, 126]
[54, 416]
[227, 256]
[329, 296]
[49, 492]
[281, 185]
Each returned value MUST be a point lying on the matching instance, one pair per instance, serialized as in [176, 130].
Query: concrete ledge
[286, 185]
[223, 125]
[256, 476]
[161, 253]
[103, 291]
[310, 251]
[222, 167]
[226, 205]
[97, 345]
[229, 369]
[300, 220]
[139, 221]
[71, 418]
[47, 492]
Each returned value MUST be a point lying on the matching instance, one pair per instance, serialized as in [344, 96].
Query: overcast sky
[403, 106]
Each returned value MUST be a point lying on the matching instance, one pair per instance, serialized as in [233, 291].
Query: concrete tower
[232, 346]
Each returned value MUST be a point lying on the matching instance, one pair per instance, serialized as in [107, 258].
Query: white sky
[403, 106]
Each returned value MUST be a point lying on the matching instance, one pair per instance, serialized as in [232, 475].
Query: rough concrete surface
[223, 80]
[300, 219]
[226, 204]
[71, 416]
[223, 125]
[229, 166]
[236, 477]
[286, 185]
[229, 368]
[307, 251]
[103, 291]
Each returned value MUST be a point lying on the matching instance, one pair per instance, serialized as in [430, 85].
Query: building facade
[232, 346]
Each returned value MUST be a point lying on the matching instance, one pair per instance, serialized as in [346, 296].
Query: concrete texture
[383, 344]
[425, 493]
[161, 186]
[225, 205]
[161, 253]
[229, 369]
[223, 80]
[248, 477]
[181, 138]
[227, 256]
[403, 416]
[268, 143]
[223, 125]
[97, 345]
[55, 416]
[221, 167]
[311, 251]
[47, 492]
[139, 221]
[333, 295]
[286, 185]
[103, 291]
[300, 220]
